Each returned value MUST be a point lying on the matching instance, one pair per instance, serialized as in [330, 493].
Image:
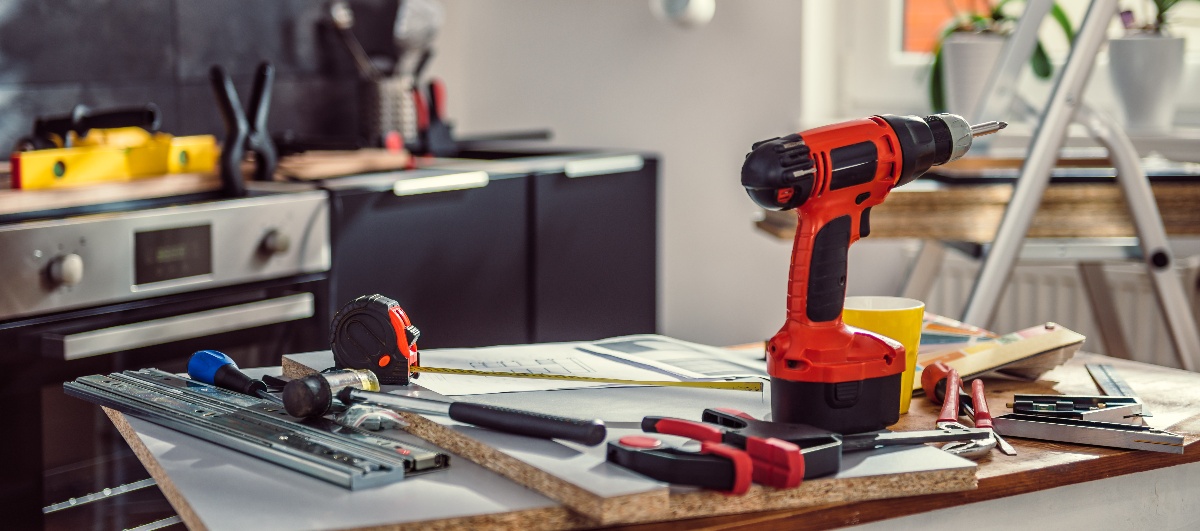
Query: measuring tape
[729, 386]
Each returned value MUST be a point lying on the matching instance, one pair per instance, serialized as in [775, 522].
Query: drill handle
[819, 264]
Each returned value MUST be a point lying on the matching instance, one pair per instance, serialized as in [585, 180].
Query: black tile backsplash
[108, 53]
[119, 41]
[240, 34]
[308, 107]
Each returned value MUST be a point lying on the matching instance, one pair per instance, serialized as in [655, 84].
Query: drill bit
[987, 128]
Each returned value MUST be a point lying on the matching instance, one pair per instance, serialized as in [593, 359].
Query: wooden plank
[649, 500]
[312, 165]
[972, 213]
[177, 500]
[199, 491]
[1039, 465]
[20, 201]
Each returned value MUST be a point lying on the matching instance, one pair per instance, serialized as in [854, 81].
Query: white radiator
[1041, 292]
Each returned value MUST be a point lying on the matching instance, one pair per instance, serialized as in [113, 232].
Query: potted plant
[1145, 67]
[968, 48]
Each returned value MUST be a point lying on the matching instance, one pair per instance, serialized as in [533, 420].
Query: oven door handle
[178, 328]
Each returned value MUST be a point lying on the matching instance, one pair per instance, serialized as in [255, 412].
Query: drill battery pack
[844, 407]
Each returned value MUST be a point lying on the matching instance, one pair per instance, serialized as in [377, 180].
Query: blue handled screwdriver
[213, 367]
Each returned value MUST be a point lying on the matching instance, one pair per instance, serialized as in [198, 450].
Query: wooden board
[20, 201]
[972, 213]
[580, 478]
[177, 501]
[1172, 395]
[312, 165]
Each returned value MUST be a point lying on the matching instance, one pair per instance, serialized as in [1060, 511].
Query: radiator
[1041, 292]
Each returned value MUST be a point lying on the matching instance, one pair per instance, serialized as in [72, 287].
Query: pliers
[975, 405]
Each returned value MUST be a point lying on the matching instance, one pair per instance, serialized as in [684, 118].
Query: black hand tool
[313, 396]
[242, 135]
[53, 131]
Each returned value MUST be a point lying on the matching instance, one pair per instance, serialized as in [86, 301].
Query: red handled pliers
[975, 405]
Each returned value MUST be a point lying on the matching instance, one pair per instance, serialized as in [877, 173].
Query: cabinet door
[456, 261]
[595, 254]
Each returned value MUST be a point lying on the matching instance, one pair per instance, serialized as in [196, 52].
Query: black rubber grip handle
[82, 119]
[827, 270]
[236, 130]
[589, 432]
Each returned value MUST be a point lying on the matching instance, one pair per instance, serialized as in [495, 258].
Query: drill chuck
[928, 142]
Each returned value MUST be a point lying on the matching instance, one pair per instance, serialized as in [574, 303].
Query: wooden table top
[1170, 394]
[972, 212]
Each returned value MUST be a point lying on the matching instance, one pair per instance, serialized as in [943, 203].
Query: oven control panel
[88, 260]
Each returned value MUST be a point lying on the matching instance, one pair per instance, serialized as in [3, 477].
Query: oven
[145, 287]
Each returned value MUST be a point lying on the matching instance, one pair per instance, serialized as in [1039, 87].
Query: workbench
[216, 488]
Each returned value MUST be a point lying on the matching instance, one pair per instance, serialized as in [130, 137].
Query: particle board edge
[177, 500]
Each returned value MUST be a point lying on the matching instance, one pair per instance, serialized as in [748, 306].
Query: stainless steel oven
[142, 287]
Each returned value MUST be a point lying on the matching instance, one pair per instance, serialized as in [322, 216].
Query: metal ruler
[349, 457]
[1107, 379]
[1111, 434]
[726, 385]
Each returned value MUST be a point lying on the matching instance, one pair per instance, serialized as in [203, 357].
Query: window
[865, 57]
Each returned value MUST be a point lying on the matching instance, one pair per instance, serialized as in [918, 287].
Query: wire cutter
[243, 135]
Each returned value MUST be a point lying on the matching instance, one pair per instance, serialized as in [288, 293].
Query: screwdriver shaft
[987, 128]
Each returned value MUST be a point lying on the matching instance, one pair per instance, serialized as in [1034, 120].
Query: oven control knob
[275, 242]
[66, 270]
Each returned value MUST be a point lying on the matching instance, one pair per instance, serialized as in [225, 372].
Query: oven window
[169, 254]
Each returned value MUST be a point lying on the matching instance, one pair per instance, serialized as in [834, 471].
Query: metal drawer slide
[349, 457]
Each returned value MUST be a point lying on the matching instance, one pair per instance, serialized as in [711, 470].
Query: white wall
[606, 73]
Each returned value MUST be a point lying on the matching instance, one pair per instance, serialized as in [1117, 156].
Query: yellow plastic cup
[895, 317]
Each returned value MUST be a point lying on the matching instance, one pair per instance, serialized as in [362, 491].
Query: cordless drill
[823, 372]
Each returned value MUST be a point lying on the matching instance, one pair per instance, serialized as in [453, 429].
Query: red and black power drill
[825, 373]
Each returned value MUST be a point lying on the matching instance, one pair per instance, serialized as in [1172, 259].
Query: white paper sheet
[641, 357]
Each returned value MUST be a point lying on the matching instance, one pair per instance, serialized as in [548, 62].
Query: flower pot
[1145, 72]
[967, 62]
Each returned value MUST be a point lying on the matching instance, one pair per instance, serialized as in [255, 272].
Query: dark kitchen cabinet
[595, 254]
[555, 247]
[455, 260]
